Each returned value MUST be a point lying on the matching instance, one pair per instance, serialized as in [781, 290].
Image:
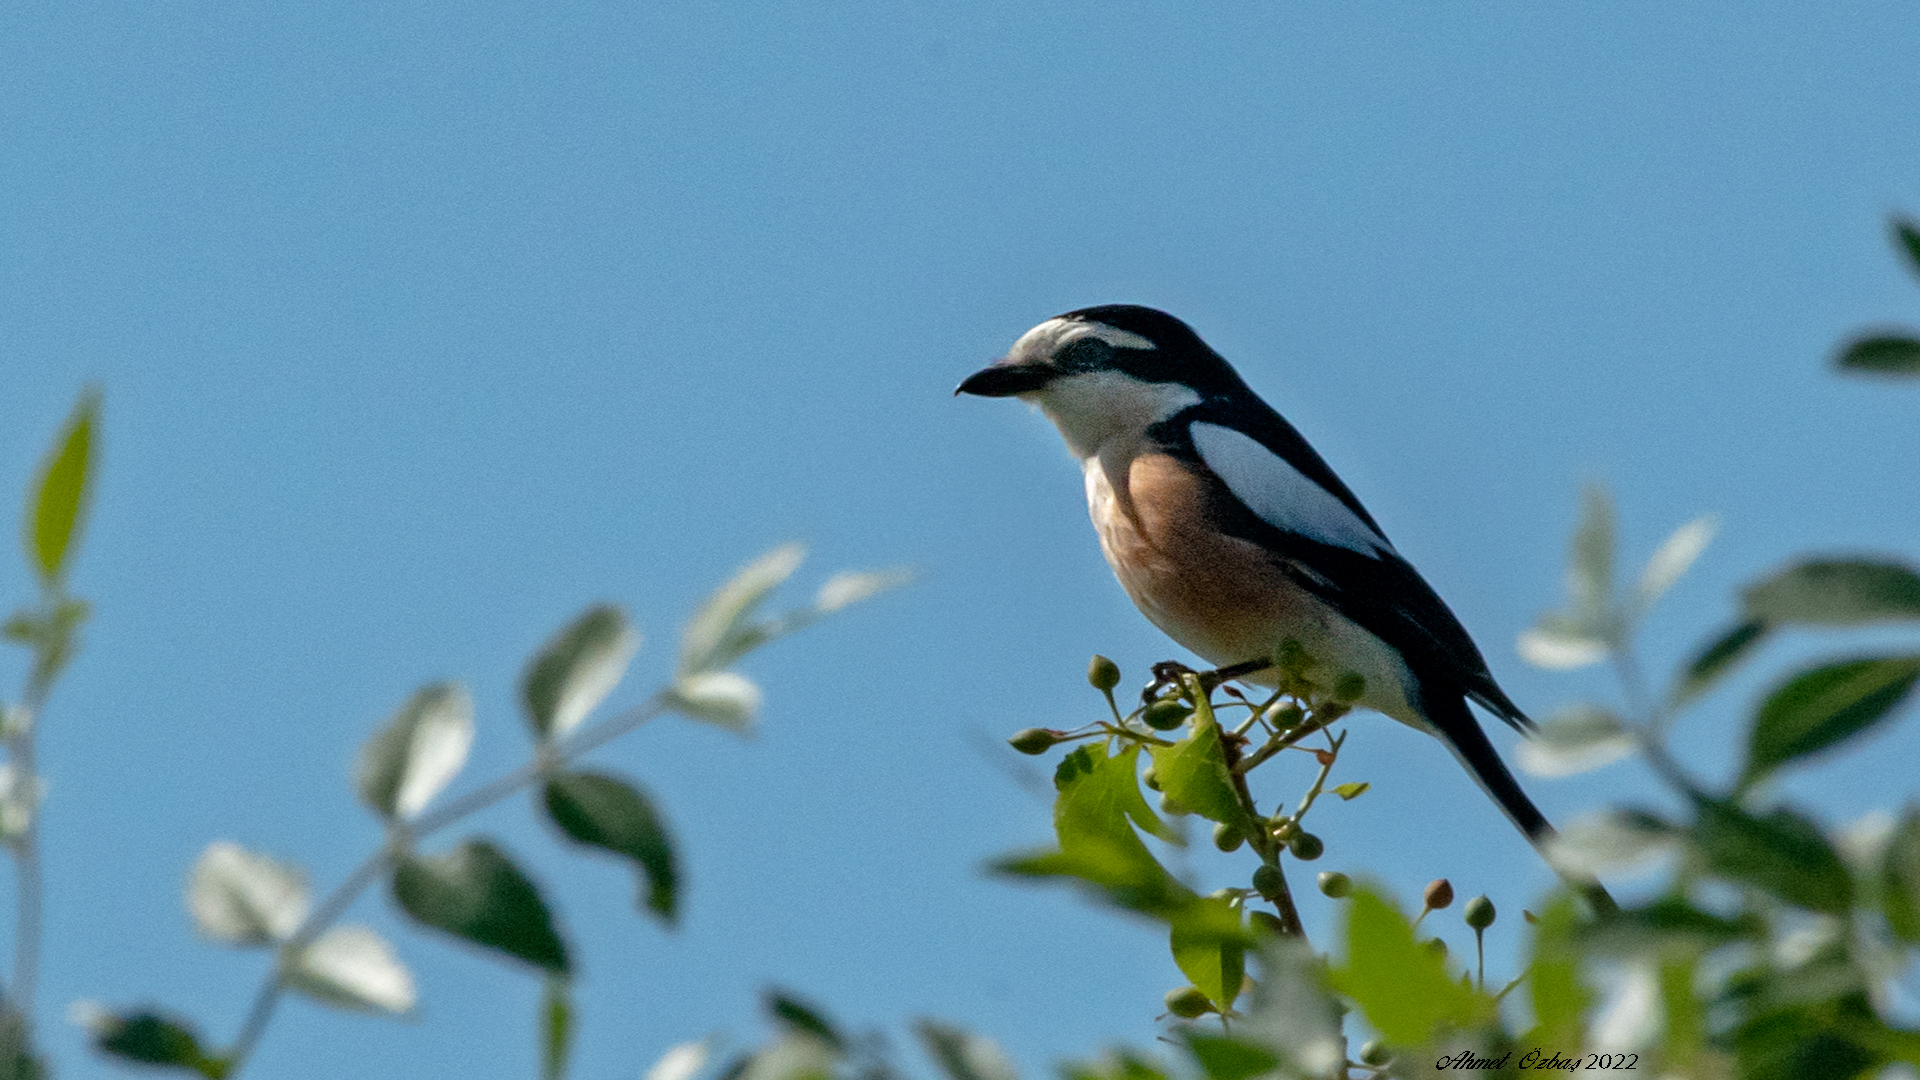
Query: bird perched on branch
[1233, 536]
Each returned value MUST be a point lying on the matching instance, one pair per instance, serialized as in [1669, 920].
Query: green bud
[1151, 779]
[1306, 847]
[1479, 913]
[1439, 894]
[1350, 687]
[1103, 673]
[1268, 923]
[1227, 837]
[1167, 714]
[1285, 829]
[1033, 740]
[1437, 947]
[1268, 881]
[1286, 717]
[1374, 1053]
[1169, 807]
[1335, 884]
[1188, 1003]
[1292, 658]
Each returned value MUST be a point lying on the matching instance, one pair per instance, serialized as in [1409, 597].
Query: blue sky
[421, 326]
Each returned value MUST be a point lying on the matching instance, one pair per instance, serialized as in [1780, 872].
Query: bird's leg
[1212, 679]
[1166, 673]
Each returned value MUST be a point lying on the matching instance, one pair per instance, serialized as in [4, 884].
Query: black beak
[1005, 380]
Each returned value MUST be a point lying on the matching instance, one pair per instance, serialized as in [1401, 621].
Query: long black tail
[1446, 709]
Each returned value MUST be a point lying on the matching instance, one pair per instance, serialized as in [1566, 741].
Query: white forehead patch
[1050, 336]
[1112, 335]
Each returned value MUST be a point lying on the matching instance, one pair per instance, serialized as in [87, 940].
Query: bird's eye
[1085, 354]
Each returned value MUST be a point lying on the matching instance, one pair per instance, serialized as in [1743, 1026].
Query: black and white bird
[1232, 535]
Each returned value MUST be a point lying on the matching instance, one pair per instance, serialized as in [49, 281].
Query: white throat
[1094, 410]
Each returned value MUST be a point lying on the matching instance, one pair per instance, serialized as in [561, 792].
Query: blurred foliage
[1772, 947]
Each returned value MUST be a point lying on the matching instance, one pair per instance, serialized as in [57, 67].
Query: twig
[401, 838]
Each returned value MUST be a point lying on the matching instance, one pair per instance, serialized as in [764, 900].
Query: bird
[1233, 536]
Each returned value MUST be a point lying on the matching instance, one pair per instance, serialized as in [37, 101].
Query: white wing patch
[1280, 494]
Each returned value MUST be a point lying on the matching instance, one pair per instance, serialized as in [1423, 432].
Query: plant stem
[26, 848]
[1259, 837]
[400, 838]
[1320, 781]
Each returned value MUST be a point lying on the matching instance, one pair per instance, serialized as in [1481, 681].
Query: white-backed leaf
[682, 1062]
[1293, 1013]
[1576, 739]
[242, 898]
[962, 1054]
[575, 671]
[20, 797]
[1590, 558]
[1560, 644]
[353, 968]
[1672, 559]
[418, 752]
[725, 698]
[724, 629]
[1632, 1014]
[848, 587]
[1609, 840]
[792, 1056]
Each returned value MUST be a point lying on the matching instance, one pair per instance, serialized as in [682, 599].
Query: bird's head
[1105, 372]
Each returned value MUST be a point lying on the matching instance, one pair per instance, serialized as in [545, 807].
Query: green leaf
[1222, 1057]
[556, 1027]
[1575, 740]
[153, 1038]
[1560, 996]
[606, 812]
[801, 1017]
[575, 671]
[724, 628]
[1669, 924]
[1671, 560]
[1881, 354]
[1349, 792]
[962, 1055]
[1715, 659]
[1900, 888]
[240, 898]
[1103, 793]
[1401, 985]
[1819, 708]
[56, 511]
[1193, 772]
[475, 892]
[1835, 592]
[1209, 946]
[351, 967]
[1097, 797]
[1782, 853]
[1906, 240]
[18, 1060]
[418, 753]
